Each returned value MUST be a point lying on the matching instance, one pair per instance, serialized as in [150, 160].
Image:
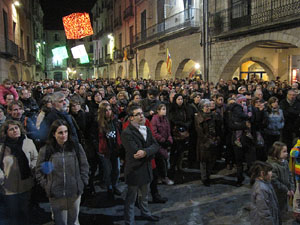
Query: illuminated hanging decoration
[77, 25]
[78, 51]
[60, 52]
[84, 59]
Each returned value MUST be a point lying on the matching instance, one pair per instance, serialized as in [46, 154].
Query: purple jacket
[162, 132]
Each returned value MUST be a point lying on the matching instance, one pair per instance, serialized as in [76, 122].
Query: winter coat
[291, 114]
[138, 171]
[4, 91]
[13, 184]
[275, 124]
[238, 115]
[148, 105]
[104, 146]
[282, 180]
[31, 107]
[264, 204]
[162, 133]
[180, 116]
[207, 139]
[67, 174]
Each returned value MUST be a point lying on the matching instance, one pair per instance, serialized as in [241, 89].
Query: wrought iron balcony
[128, 12]
[118, 55]
[249, 15]
[129, 51]
[182, 21]
[117, 22]
[31, 59]
[102, 32]
[108, 59]
[22, 54]
[11, 49]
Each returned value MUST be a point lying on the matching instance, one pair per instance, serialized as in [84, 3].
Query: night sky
[54, 10]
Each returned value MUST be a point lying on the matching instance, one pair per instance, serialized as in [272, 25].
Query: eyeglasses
[139, 114]
[61, 101]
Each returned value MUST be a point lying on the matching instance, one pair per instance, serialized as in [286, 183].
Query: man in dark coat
[291, 109]
[140, 147]
[150, 104]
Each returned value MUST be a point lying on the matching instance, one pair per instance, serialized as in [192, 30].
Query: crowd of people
[64, 136]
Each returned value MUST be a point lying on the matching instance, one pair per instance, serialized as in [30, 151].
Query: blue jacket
[276, 123]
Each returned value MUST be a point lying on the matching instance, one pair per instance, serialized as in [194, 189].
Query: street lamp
[197, 66]
[17, 3]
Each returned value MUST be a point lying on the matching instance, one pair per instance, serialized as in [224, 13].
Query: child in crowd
[264, 204]
[282, 179]
[240, 113]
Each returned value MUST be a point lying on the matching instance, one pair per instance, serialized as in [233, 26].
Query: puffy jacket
[276, 123]
[264, 204]
[63, 175]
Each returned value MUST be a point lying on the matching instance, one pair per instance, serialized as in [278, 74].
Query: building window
[21, 39]
[14, 31]
[91, 48]
[56, 37]
[28, 44]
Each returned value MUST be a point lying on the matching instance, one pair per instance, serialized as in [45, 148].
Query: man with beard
[58, 111]
[140, 147]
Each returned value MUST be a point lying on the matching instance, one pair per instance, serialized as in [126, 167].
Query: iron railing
[128, 12]
[118, 55]
[254, 14]
[189, 18]
[108, 58]
[102, 32]
[11, 48]
[117, 22]
[129, 51]
[31, 59]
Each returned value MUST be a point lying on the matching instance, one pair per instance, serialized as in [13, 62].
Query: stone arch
[104, 74]
[112, 71]
[131, 69]
[264, 64]
[143, 69]
[237, 51]
[180, 67]
[13, 73]
[158, 70]
[27, 75]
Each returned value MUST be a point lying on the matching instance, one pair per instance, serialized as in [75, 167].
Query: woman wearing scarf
[18, 156]
[207, 140]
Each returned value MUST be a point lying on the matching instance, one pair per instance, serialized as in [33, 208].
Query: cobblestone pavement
[189, 203]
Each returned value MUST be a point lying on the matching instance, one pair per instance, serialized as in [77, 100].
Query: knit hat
[240, 99]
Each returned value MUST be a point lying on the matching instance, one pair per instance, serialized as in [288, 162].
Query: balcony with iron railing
[117, 22]
[11, 49]
[189, 19]
[22, 54]
[109, 5]
[102, 32]
[108, 58]
[129, 51]
[31, 59]
[128, 12]
[118, 55]
[252, 16]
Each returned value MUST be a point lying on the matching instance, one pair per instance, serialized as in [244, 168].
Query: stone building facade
[18, 39]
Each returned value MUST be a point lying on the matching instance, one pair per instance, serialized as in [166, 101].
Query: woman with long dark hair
[18, 157]
[62, 170]
[180, 120]
[109, 144]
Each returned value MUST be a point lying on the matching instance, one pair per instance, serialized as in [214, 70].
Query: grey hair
[56, 96]
[204, 102]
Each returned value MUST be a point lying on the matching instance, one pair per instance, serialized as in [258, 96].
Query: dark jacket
[138, 171]
[148, 105]
[69, 174]
[51, 117]
[291, 114]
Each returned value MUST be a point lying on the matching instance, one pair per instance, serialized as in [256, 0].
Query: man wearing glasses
[140, 147]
